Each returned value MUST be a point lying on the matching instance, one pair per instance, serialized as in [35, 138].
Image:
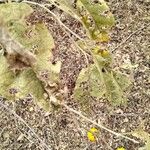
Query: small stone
[21, 136]
[6, 135]
[126, 120]
[123, 130]
[31, 109]
[119, 111]
[47, 114]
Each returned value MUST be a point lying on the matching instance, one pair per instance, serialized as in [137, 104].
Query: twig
[20, 119]
[126, 39]
[99, 125]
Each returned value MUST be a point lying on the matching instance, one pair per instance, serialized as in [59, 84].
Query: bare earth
[63, 130]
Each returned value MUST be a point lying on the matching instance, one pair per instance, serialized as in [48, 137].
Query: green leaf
[67, 6]
[14, 12]
[98, 84]
[96, 17]
[114, 91]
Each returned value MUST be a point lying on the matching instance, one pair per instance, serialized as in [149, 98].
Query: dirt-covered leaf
[88, 82]
[45, 44]
[19, 86]
[37, 40]
[94, 15]
[6, 76]
[97, 83]
[14, 12]
[114, 92]
[80, 90]
[123, 80]
[97, 18]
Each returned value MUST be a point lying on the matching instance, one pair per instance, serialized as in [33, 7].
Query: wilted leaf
[39, 42]
[21, 85]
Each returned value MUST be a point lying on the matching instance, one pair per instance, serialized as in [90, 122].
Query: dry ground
[62, 130]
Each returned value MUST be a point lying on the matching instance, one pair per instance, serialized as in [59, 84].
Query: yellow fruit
[93, 130]
[90, 134]
[91, 137]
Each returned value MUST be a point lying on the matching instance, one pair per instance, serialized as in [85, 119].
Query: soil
[63, 130]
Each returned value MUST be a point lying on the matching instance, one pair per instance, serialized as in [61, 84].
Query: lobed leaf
[109, 84]
[37, 39]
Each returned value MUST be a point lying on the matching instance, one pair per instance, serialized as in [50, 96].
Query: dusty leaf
[114, 92]
[14, 12]
[6, 76]
[96, 17]
[67, 6]
[38, 41]
[21, 85]
[97, 83]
